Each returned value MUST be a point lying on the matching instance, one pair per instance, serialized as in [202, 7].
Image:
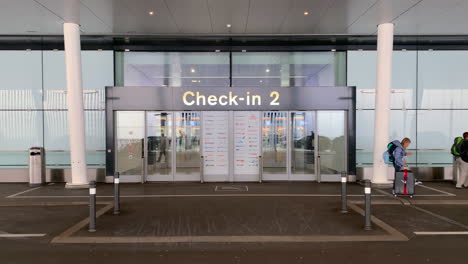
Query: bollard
[344, 204]
[92, 206]
[116, 193]
[367, 194]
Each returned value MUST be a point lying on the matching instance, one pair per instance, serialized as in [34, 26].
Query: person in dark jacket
[463, 162]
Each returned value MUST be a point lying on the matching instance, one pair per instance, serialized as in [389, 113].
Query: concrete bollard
[344, 204]
[116, 193]
[92, 206]
[367, 194]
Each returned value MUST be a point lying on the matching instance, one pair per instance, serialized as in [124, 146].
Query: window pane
[362, 74]
[176, 69]
[285, 69]
[436, 131]
[442, 79]
[98, 72]
[19, 131]
[57, 143]
[21, 80]
[402, 124]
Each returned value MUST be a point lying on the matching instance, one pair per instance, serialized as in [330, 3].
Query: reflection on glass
[274, 138]
[130, 131]
[332, 143]
[302, 151]
[188, 132]
[159, 145]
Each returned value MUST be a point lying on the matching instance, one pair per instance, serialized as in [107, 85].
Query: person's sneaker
[418, 182]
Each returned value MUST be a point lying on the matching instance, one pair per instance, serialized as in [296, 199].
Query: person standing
[463, 163]
[455, 150]
[162, 148]
[399, 153]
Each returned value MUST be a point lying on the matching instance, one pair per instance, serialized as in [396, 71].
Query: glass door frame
[302, 177]
[152, 178]
[333, 177]
[130, 178]
[280, 176]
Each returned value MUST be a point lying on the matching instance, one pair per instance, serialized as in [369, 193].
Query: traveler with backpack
[397, 151]
[455, 150]
[463, 162]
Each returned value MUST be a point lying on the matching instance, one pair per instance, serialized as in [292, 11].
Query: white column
[382, 101]
[76, 123]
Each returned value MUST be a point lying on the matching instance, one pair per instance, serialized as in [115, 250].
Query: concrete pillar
[76, 122]
[382, 101]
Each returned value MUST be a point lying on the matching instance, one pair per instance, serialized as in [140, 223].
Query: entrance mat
[230, 220]
[231, 188]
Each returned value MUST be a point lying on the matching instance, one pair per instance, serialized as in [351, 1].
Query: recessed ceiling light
[192, 70]
[217, 50]
[244, 50]
[306, 13]
[228, 25]
[126, 49]
[28, 49]
[151, 12]
[99, 49]
[267, 70]
[261, 81]
[333, 50]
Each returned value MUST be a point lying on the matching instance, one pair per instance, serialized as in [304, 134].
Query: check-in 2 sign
[191, 98]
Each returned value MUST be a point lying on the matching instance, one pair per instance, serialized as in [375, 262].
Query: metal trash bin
[36, 166]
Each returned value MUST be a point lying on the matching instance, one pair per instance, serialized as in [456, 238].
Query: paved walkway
[232, 223]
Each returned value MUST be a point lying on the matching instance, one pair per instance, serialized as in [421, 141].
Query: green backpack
[455, 150]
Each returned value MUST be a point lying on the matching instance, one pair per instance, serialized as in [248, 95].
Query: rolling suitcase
[404, 183]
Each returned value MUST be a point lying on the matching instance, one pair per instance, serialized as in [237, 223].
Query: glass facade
[427, 101]
[33, 106]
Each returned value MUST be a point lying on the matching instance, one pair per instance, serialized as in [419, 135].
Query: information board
[215, 143]
[246, 142]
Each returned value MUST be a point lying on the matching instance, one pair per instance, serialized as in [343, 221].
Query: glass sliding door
[275, 145]
[332, 147]
[187, 146]
[303, 133]
[129, 142]
[159, 146]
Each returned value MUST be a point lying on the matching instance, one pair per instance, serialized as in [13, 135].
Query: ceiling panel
[297, 22]
[223, 12]
[418, 17]
[27, 17]
[384, 11]
[433, 17]
[192, 16]
[266, 16]
[342, 15]
[90, 22]
[133, 17]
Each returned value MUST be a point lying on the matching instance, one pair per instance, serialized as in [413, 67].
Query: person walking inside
[162, 148]
[463, 163]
